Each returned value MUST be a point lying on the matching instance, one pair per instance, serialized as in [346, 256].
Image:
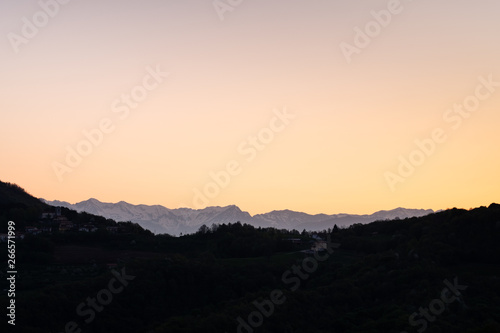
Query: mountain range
[160, 219]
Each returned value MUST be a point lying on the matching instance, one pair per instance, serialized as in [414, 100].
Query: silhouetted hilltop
[12, 194]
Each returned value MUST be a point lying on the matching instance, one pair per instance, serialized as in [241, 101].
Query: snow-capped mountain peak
[160, 219]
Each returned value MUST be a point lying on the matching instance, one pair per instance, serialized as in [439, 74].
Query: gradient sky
[226, 79]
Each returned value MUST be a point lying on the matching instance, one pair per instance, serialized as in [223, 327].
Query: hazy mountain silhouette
[160, 219]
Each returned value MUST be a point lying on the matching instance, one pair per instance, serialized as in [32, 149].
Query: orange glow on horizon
[89, 111]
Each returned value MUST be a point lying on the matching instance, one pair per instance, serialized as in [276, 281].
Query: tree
[203, 230]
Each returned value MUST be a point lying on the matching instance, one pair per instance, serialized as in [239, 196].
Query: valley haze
[160, 219]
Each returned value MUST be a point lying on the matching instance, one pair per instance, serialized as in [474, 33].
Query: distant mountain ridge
[160, 219]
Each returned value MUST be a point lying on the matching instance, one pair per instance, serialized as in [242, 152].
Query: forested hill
[14, 195]
[438, 273]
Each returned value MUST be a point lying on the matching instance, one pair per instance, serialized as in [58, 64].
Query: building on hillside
[47, 230]
[47, 215]
[66, 226]
[319, 246]
[87, 228]
[294, 240]
[32, 230]
[322, 245]
[61, 219]
[113, 230]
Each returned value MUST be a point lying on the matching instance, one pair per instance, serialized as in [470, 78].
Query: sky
[314, 106]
